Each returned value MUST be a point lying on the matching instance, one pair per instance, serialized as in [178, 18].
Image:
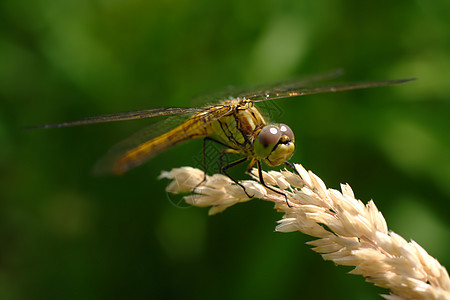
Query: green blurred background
[65, 234]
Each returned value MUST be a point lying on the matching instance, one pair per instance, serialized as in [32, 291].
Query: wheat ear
[348, 232]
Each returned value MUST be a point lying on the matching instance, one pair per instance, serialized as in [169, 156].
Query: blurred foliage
[68, 235]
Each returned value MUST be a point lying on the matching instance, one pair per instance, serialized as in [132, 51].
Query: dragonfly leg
[208, 138]
[292, 167]
[261, 179]
[250, 165]
[224, 169]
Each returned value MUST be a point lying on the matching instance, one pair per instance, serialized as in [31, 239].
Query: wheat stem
[348, 232]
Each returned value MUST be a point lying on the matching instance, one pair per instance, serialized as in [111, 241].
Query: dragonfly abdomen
[184, 132]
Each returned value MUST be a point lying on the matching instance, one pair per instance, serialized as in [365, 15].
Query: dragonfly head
[274, 144]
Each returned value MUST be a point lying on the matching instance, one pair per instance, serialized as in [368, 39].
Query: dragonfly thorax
[274, 144]
[238, 126]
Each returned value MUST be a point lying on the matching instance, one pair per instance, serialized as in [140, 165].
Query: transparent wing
[246, 92]
[283, 86]
[122, 116]
[156, 138]
[292, 90]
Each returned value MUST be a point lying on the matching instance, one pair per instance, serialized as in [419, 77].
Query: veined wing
[122, 116]
[246, 92]
[292, 84]
[293, 91]
[157, 138]
[298, 87]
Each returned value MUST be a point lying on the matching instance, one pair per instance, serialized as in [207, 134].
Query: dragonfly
[234, 122]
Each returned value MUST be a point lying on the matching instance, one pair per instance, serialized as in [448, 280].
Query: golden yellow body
[235, 122]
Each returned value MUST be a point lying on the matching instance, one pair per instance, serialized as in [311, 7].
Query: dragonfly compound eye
[286, 130]
[266, 140]
[269, 136]
[274, 144]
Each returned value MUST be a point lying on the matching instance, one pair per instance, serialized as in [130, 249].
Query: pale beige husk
[348, 231]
